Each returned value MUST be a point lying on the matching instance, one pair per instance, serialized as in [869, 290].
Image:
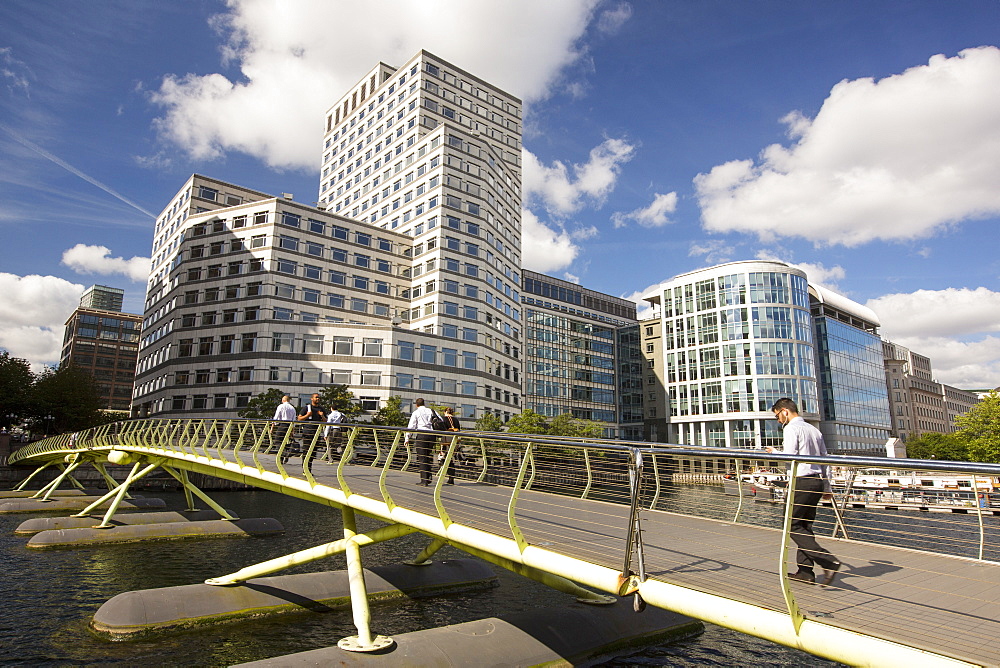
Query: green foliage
[489, 422]
[527, 422]
[341, 398]
[391, 415]
[69, 394]
[262, 406]
[980, 429]
[16, 383]
[947, 447]
[567, 425]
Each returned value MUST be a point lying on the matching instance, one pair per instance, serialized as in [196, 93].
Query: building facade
[103, 341]
[737, 337]
[918, 403]
[582, 354]
[404, 280]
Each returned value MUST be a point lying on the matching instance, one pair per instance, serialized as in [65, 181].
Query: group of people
[314, 415]
[422, 420]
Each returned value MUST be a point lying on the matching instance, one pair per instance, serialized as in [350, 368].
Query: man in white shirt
[420, 420]
[333, 433]
[812, 483]
[286, 413]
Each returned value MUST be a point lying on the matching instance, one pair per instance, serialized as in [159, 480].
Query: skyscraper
[403, 280]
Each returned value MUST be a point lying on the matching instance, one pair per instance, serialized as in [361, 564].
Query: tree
[980, 429]
[341, 398]
[489, 422]
[16, 383]
[567, 425]
[262, 406]
[68, 394]
[945, 447]
[528, 422]
[391, 415]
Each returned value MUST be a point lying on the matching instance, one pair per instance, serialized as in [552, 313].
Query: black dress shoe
[829, 574]
[450, 482]
[803, 576]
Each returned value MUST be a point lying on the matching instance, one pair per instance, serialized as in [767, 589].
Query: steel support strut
[24, 483]
[190, 491]
[630, 580]
[46, 492]
[363, 642]
[311, 554]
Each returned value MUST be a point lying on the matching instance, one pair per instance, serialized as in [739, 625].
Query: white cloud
[291, 69]
[572, 278]
[15, 73]
[654, 215]
[542, 248]
[610, 21]
[85, 259]
[955, 327]
[949, 312]
[816, 272]
[896, 159]
[643, 308]
[715, 251]
[563, 190]
[33, 313]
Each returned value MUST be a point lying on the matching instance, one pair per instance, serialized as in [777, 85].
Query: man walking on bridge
[812, 483]
[420, 420]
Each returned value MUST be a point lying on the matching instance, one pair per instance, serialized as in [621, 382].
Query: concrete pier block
[68, 503]
[24, 494]
[83, 536]
[36, 524]
[147, 612]
[572, 636]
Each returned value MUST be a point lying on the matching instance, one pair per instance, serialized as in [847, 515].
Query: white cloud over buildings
[896, 159]
[957, 328]
[654, 215]
[85, 259]
[32, 315]
[290, 66]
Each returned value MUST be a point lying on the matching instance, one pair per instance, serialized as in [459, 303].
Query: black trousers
[808, 492]
[423, 444]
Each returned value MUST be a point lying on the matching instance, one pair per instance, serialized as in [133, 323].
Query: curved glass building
[736, 337]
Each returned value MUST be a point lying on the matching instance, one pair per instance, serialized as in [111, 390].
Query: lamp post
[48, 422]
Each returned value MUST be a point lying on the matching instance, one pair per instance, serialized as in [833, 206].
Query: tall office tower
[736, 337]
[103, 341]
[579, 346]
[404, 280]
[102, 297]
[432, 152]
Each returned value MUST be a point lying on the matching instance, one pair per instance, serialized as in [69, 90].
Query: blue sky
[858, 140]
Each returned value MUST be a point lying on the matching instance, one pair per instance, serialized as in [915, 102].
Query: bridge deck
[943, 604]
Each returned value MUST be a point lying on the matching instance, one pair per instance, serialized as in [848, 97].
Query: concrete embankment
[64, 503]
[36, 524]
[150, 611]
[575, 635]
[80, 537]
[28, 493]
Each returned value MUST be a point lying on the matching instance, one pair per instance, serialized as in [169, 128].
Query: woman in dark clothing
[453, 425]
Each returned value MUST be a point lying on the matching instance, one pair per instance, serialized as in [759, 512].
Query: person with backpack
[449, 423]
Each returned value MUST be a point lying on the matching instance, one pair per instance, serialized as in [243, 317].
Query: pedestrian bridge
[920, 583]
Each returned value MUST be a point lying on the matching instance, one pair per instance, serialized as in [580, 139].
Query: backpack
[437, 424]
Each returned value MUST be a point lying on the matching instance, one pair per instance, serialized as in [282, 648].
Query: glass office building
[737, 337]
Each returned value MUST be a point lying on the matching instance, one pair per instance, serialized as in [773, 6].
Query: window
[282, 313]
[286, 266]
[340, 376]
[310, 295]
[407, 350]
[372, 347]
[205, 345]
[282, 342]
[359, 305]
[248, 343]
[425, 383]
[428, 354]
[404, 380]
[227, 344]
[371, 377]
[469, 360]
[312, 343]
[343, 345]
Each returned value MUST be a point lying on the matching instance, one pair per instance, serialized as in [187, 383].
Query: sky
[858, 140]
